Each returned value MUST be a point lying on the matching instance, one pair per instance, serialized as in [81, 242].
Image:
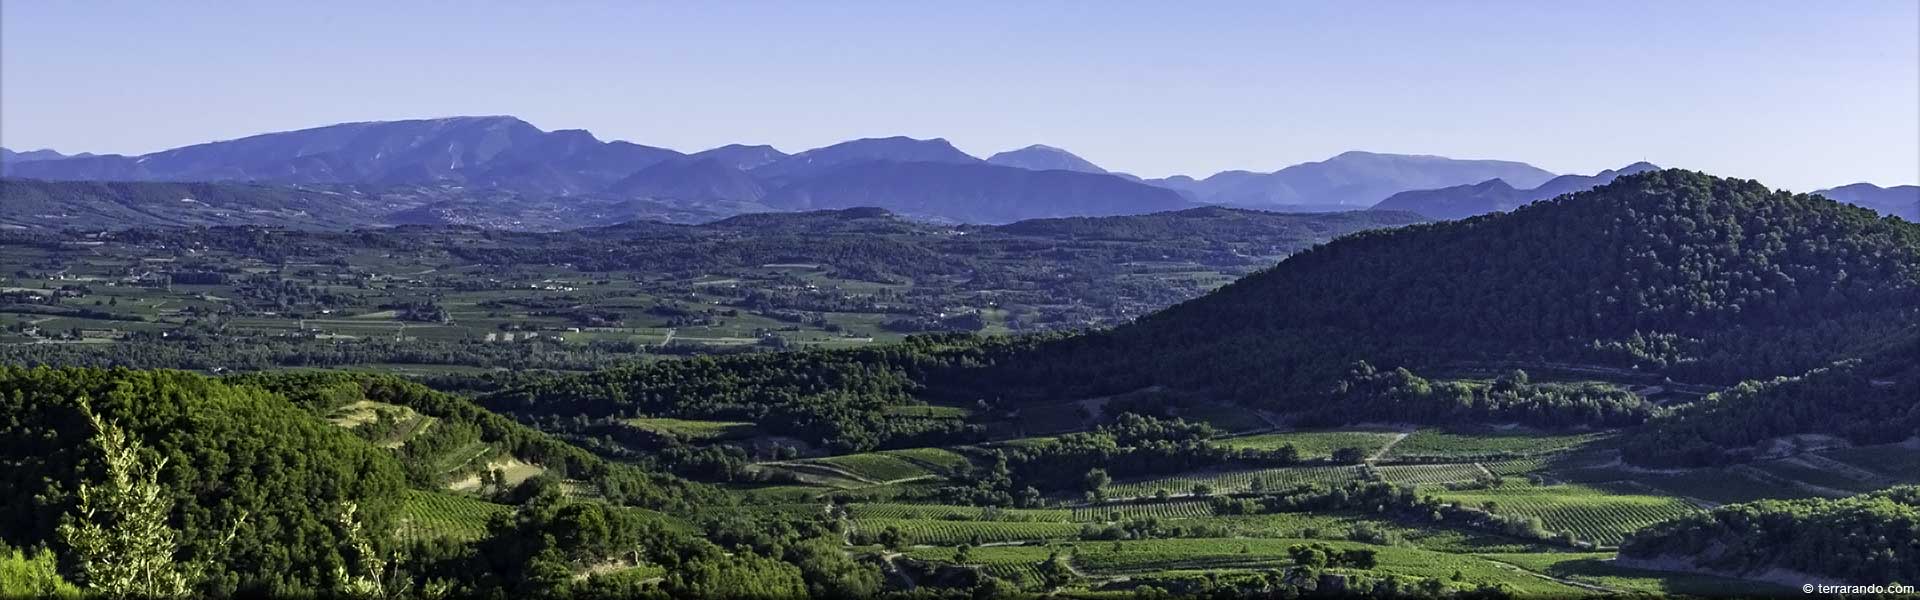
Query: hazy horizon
[1131, 87]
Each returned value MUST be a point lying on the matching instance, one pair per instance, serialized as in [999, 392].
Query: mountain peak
[891, 149]
[1041, 157]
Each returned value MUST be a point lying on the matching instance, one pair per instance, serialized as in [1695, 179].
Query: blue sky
[1800, 95]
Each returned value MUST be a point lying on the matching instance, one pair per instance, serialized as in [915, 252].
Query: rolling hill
[1671, 272]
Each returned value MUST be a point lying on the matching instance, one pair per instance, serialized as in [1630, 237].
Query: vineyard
[1511, 468]
[694, 430]
[1799, 472]
[1898, 462]
[1184, 509]
[1430, 474]
[1314, 444]
[1590, 514]
[940, 532]
[1012, 563]
[1719, 486]
[433, 515]
[1237, 481]
[1437, 444]
[957, 513]
[876, 467]
[936, 459]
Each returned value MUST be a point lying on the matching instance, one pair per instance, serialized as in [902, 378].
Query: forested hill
[1671, 270]
[1869, 537]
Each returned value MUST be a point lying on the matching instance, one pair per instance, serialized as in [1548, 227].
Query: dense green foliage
[239, 460]
[1366, 392]
[1870, 401]
[1872, 537]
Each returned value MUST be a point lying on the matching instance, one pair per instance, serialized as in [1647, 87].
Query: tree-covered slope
[1875, 400]
[1868, 539]
[255, 482]
[1673, 271]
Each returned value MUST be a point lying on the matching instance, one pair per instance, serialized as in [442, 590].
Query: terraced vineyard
[1591, 514]
[942, 532]
[434, 515]
[1236, 481]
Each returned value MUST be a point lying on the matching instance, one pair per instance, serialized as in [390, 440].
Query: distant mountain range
[1352, 179]
[1462, 201]
[500, 170]
[1900, 200]
[9, 156]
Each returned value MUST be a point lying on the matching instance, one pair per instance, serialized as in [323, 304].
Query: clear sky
[1800, 95]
